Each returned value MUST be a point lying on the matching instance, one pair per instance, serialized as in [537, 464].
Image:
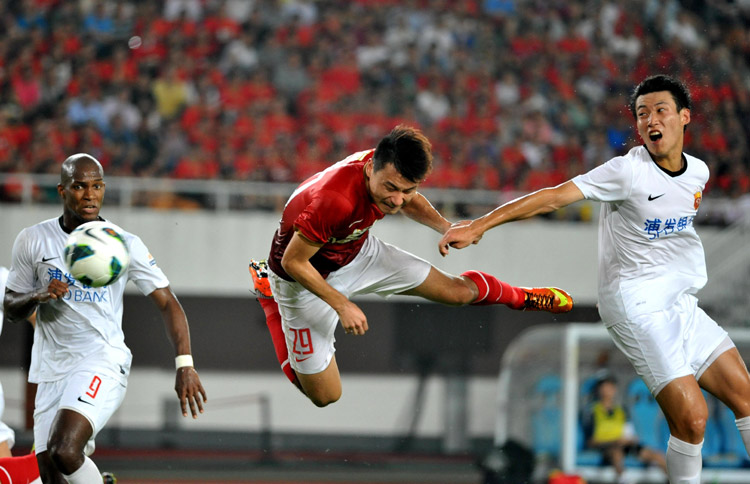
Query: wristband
[183, 360]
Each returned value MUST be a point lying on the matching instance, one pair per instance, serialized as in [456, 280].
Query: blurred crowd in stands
[514, 94]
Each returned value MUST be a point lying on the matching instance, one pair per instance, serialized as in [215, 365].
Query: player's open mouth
[654, 135]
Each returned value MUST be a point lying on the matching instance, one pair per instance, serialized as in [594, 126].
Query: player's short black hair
[662, 82]
[408, 149]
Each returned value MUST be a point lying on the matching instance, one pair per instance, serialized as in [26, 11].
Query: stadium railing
[223, 195]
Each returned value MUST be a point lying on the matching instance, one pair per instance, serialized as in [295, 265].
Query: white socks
[684, 461]
[88, 473]
[743, 425]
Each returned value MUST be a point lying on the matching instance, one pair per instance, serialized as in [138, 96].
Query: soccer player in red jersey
[322, 254]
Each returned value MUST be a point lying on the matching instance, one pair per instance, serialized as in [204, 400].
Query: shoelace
[539, 301]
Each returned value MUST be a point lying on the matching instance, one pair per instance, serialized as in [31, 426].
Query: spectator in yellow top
[608, 430]
[171, 94]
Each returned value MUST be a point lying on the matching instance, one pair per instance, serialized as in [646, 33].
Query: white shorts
[6, 433]
[95, 395]
[309, 322]
[671, 343]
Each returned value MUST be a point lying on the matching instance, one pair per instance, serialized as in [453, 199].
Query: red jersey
[332, 207]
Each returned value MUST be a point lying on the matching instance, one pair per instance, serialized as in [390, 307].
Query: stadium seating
[647, 418]
[259, 93]
[731, 440]
[722, 447]
[546, 424]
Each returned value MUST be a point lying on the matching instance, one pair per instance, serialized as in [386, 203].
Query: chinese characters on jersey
[656, 228]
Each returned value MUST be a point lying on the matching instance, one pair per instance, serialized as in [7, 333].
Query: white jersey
[649, 251]
[3, 278]
[82, 330]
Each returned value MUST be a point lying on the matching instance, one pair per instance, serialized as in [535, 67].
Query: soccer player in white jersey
[7, 436]
[79, 357]
[651, 265]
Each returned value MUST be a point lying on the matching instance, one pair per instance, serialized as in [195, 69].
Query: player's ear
[61, 190]
[685, 115]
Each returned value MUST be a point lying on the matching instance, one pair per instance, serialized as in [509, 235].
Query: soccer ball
[96, 253]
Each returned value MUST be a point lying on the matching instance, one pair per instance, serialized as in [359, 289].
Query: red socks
[273, 321]
[491, 291]
[22, 469]
[494, 291]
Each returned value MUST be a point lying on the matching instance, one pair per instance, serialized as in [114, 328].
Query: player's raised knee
[690, 426]
[694, 428]
[323, 395]
[323, 399]
[64, 456]
[459, 293]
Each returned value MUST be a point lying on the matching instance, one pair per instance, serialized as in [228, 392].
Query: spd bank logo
[77, 291]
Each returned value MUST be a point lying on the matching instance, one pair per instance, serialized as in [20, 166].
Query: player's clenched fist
[353, 319]
[55, 290]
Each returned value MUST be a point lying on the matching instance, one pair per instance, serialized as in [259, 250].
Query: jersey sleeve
[609, 182]
[324, 216]
[21, 276]
[143, 270]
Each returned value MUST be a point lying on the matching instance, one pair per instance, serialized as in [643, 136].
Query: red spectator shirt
[334, 208]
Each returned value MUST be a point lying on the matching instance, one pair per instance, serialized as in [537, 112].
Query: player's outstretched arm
[187, 383]
[296, 262]
[542, 201]
[21, 306]
[421, 210]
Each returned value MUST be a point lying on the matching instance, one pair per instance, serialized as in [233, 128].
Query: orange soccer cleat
[108, 478]
[259, 273]
[549, 299]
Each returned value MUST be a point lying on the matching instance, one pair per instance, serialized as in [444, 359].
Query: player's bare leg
[684, 408]
[47, 470]
[728, 380]
[51, 474]
[65, 461]
[686, 412]
[475, 287]
[446, 289]
[322, 388]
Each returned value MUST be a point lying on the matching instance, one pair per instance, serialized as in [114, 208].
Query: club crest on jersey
[698, 196]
